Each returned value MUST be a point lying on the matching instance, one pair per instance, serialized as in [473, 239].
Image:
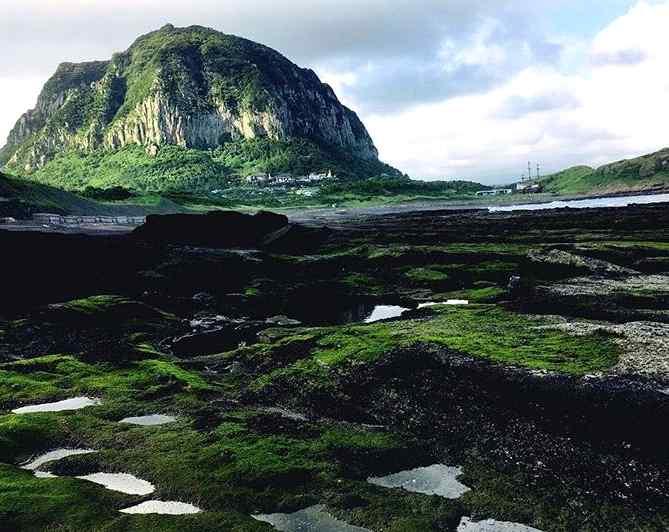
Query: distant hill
[642, 174]
[20, 198]
[187, 109]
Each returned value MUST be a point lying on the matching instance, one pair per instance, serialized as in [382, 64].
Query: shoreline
[313, 214]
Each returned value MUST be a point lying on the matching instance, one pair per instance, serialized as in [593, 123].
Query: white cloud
[640, 34]
[612, 109]
[22, 93]
[481, 51]
[457, 88]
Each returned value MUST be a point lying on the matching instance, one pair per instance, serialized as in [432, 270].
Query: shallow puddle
[149, 421]
[75, 403]
[490, 525]
[162, 507]
[44, 474]
[52, 456]
[122, 482]
[288, 414]
[385, 312]
[436, 479]
[453, 302]
[313, 519]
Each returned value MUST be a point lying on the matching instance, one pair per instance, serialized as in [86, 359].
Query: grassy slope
[639, 174]
[569, 181]
[20, 198]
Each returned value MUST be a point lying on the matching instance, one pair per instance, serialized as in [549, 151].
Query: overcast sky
[449, 89]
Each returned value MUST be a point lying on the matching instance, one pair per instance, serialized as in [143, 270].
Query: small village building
[320, 177]
[495, 192]
[528, 187]
[48, 218]
[257, 179]
[283, 179]
[57, 219]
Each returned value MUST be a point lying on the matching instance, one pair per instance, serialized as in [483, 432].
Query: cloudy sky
[448, 88]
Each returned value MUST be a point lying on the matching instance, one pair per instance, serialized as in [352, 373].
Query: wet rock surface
[630, 298]
[570, 261]
[548, 391]
[216, 334]
[645, 345]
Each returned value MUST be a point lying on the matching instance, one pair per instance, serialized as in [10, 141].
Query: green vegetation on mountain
[396, 186]
[177, 169]
[565, 181]
[187, 109]
[646, 173]
[110, 194]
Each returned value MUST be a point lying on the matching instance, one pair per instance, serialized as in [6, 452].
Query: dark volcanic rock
[218, 334]
[558, 258]
[214, 229]
[293, 238]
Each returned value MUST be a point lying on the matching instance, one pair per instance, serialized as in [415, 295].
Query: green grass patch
[56, 377]
[428, 274]
[485, 331]
[33, 504]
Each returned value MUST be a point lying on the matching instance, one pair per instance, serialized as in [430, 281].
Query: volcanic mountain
[186, 109]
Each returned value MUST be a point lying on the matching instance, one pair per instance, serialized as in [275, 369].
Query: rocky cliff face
[191, 87]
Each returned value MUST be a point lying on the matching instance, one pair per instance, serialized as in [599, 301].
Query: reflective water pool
[385, 312]
[313, 519]
[122, 482]
[74, 403]
[162, 507]
[437, 479]
[452, 302]
[149, 421]
[52, 456]
[490, 525]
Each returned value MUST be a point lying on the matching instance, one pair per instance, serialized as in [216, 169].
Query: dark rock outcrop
[214, 229]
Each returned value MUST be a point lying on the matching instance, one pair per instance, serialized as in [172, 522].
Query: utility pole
[538, 171]
[529, 171]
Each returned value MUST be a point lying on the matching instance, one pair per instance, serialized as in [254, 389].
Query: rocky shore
[528, 349]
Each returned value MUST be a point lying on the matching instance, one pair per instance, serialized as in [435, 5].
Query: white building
[495, 192]
[528, 187]
[257, 178]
